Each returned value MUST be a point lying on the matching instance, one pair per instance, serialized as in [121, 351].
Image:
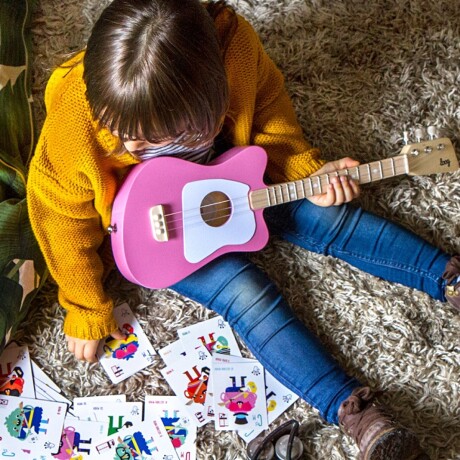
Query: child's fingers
[83, 350]
[339, 191]
[345, 189]
[89, 352]
[119, 335]
[348, 192]
[355, 188]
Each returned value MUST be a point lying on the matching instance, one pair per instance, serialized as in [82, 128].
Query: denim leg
[366, 241]
[236, 289]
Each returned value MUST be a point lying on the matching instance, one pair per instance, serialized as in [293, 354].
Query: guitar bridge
[158, 223]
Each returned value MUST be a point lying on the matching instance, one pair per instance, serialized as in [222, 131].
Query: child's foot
[377, 436]
[452, 275]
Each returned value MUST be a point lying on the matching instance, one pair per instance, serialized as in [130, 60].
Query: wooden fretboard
[316, 185]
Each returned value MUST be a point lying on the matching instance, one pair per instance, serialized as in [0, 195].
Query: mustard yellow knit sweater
[72, 179]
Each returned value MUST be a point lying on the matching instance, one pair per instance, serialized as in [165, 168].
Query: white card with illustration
[123, 358]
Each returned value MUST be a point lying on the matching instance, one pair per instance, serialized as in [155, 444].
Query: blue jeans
[235, 288]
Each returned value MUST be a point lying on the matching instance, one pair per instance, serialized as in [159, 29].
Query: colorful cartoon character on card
[14, 384]
[218, 346]
[116, 423]
[221, 346]
[133, 446]
[197, 386]
[240, 399]
[176, 432]
[22, 420]
[122, 349]
[71, 445]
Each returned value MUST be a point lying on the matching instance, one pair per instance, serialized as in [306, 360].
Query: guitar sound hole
[216, 209]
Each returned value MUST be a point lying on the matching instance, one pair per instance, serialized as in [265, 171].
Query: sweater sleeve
[274, 125]
[61, 201]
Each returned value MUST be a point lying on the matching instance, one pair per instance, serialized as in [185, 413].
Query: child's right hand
[340, 190]
[85, 350]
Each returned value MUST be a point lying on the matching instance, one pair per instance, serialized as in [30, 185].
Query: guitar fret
[381, 169]
[284, 193]
[279, 198]
[273, 194]
[369, 172]
[319, 184]
[293, 195]
[269, 201]
[392, 162]
[302, 183]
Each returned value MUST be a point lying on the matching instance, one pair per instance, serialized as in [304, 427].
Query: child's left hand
[341, 189]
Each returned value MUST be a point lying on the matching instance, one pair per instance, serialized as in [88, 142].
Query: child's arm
[69, 232]
[64, 187]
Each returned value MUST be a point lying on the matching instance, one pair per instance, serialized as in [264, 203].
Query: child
[177, 77]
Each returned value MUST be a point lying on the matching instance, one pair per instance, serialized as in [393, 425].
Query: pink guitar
[171, 216]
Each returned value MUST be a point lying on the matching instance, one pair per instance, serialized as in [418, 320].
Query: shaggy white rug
[359, 72]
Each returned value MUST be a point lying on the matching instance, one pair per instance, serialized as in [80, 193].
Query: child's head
[154, 70]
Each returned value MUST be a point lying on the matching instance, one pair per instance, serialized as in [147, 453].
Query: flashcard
[16, 378]
[41, 377]
[177, 422]
[146, 441]
[30, 425]
[90, 400]
[79, 438]
[189, 380]
[279, 399]
[47, 393]
[117, 415]
[215, 334]
[239, 393]
[172, 352]
[123, 358]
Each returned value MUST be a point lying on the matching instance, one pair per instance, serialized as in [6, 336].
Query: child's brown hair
[154, 70]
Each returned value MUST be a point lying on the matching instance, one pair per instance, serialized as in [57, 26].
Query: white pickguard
[201, 239]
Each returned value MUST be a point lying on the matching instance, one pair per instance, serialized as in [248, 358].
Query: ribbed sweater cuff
[299, 170]
[87, 328]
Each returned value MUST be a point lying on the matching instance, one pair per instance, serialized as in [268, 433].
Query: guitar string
[200, 216]
[199, 221]
[324, 182]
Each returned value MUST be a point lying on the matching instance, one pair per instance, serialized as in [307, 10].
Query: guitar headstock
[431, 156]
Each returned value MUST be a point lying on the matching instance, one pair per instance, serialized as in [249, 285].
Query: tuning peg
[419, 134]
[432, 132]
[406, 137]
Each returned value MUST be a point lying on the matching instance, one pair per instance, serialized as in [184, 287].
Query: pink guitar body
[180, 189]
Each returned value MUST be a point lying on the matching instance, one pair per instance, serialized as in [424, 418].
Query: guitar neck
[315, 185]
